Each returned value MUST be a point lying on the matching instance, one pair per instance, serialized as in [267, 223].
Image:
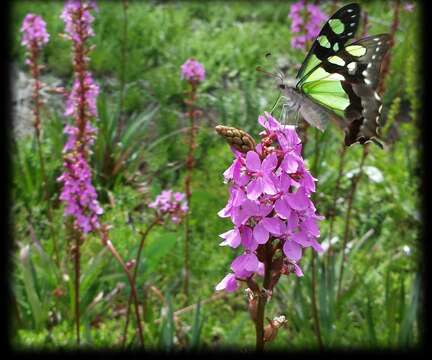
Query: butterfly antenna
[272, 61]
[273, 75]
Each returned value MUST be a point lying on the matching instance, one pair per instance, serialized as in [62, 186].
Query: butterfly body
[315, 114]
[338, 82]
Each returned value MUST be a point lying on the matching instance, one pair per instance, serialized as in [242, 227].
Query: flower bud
[237, 138]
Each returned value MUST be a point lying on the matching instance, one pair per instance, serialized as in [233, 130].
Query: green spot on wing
[336, 60]
[323, 41]
[337, 26]
[336, 47]
[356, 50]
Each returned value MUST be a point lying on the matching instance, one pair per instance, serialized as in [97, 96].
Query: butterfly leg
[275, 104]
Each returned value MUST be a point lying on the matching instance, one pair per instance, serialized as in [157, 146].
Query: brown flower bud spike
[237, 138]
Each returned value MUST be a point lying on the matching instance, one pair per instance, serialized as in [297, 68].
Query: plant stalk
[189, 168]
[106, 242]
[262, 298]
[137, 262]
[351, 196]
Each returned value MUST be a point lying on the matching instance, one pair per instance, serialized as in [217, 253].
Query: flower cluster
[269, 205]
[89, 92]
[171, 203]
[78, 19]
[78, 192]
[34, 31]
[305, 19]
[192, 71]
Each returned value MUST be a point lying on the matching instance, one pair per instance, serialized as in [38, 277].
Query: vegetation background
[380, 299]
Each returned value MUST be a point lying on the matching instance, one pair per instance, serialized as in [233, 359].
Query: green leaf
[196, 327]
[166, 337]
[159, 246]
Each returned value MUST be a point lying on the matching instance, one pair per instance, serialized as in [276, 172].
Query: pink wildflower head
[170, 203]
[78, 19]
[192, 71]
[78, 193]
[306, 21]
[34, 31]
[270, 190]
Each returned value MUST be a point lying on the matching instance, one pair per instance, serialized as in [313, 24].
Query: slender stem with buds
[137, 262]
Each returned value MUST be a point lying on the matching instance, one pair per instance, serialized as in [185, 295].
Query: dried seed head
[237, 138]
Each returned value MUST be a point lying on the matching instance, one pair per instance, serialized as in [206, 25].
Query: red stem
[137, 262]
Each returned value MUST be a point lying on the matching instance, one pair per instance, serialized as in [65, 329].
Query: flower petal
[269, 163]
[268, 185]
[289, 163]
[228, 283]
[253, 162]
[260, 234]
[273, 225]
[232, 238]
[282, 209]
[247, 238]
[292, 250]
[255, 189]
[298, 200]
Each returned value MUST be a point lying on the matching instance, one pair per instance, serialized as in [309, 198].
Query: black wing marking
[349, 15]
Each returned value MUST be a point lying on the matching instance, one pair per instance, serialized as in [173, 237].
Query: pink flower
[307, 31]
[78, 19]
[172, 204]
[192, 71]
[270, 189]
[409, 7]
[261, 173]
[34, 31]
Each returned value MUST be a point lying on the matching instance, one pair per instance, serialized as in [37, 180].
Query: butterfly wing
[345, 83]
[333, 36]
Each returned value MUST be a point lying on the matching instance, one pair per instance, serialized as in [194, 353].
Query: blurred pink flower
[172, 204]
[306, 31]
[34, 31]
[192, 71]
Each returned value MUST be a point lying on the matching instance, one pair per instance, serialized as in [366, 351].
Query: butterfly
[338, 82]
